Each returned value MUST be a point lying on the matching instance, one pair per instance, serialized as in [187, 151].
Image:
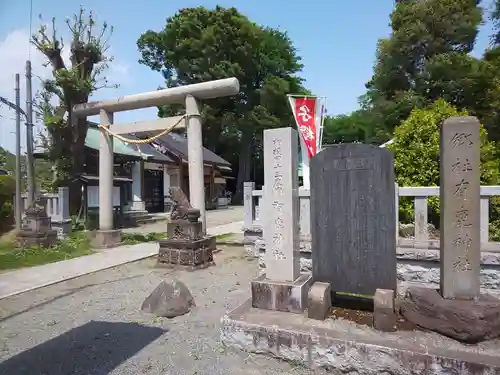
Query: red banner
[304, 109]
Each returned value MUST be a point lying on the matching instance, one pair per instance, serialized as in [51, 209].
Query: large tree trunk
[77, 162]
[244, 164]
[212, 136]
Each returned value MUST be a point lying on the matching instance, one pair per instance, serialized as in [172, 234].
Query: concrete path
[94, 325]
[214, 218]
[26, 279]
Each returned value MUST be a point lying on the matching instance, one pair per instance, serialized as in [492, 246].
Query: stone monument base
[104, 239]
[350, 348]
[281, 295]
[28, 238]
[186, 246]
[467, 321]
[186, 254]
[36, 229]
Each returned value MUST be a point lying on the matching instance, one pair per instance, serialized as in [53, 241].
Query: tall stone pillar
[105, 173]
[195, 159]
[106, 236]
[460, 208]
[137, 199]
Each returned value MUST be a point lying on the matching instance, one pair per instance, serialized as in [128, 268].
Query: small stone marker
[319, 301]
[384, 316]
[281, 221]
[353, 218]
[460, 202]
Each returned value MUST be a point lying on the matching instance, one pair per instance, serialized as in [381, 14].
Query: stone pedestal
[37, 229]
[186, 247]
[287, 296]
[104, 239]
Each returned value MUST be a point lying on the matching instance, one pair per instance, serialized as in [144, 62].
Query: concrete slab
[26, 279]
[351, 348]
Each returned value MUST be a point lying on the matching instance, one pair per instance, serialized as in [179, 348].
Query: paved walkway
[214, 218]
[26, 279]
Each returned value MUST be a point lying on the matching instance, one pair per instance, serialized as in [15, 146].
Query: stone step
[134, 213]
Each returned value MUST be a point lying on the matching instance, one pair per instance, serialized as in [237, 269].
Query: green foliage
[7, 190]
[200, 44]
[355, 127]
[43, 170]
[416, 152]
[71, 84]
[3, 158]
[7, 185]
[135, 238]
[12, 257]
[427, 58]
[77, 224]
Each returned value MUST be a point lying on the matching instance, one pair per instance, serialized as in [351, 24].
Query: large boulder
[169, 299]
[465, 321]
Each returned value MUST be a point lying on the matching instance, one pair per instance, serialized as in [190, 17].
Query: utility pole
[29, 136]
[19, 200]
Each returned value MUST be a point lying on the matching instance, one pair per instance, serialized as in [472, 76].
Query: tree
[71, 84]
[3, 158]
[416, 153]
[199, 44]
[354, 127]
[7, 190]
[427, 58]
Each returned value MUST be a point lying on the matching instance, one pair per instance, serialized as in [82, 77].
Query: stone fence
[418, 256]
[57, 208]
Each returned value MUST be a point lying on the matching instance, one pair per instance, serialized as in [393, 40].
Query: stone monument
[282, 288]
[459, 197]
[186, 246]
[353, 222]
[36, 229]
[457, 310]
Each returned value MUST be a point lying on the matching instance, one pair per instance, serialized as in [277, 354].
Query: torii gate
[106, 236]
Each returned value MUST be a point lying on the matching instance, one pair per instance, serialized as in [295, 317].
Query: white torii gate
[189, 95]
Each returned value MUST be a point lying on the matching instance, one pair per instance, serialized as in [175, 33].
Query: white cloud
[15, 49]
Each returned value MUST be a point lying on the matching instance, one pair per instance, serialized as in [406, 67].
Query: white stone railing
[57, 206]
[253, 206]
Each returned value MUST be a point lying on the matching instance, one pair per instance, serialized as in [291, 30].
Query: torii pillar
[189, 95]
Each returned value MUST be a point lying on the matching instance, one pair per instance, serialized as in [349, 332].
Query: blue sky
[336, 39]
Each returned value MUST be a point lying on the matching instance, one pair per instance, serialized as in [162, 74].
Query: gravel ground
[214, 218]
[93, 325]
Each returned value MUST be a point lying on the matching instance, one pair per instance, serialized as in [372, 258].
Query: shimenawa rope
[143, 141]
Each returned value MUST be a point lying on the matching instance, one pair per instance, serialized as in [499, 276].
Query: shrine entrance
[153, 191]
[188, 95]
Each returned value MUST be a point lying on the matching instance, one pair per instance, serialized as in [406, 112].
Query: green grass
[222, 236]
[135, 238]
[76, 245]
[13, 257]
[354, 295]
